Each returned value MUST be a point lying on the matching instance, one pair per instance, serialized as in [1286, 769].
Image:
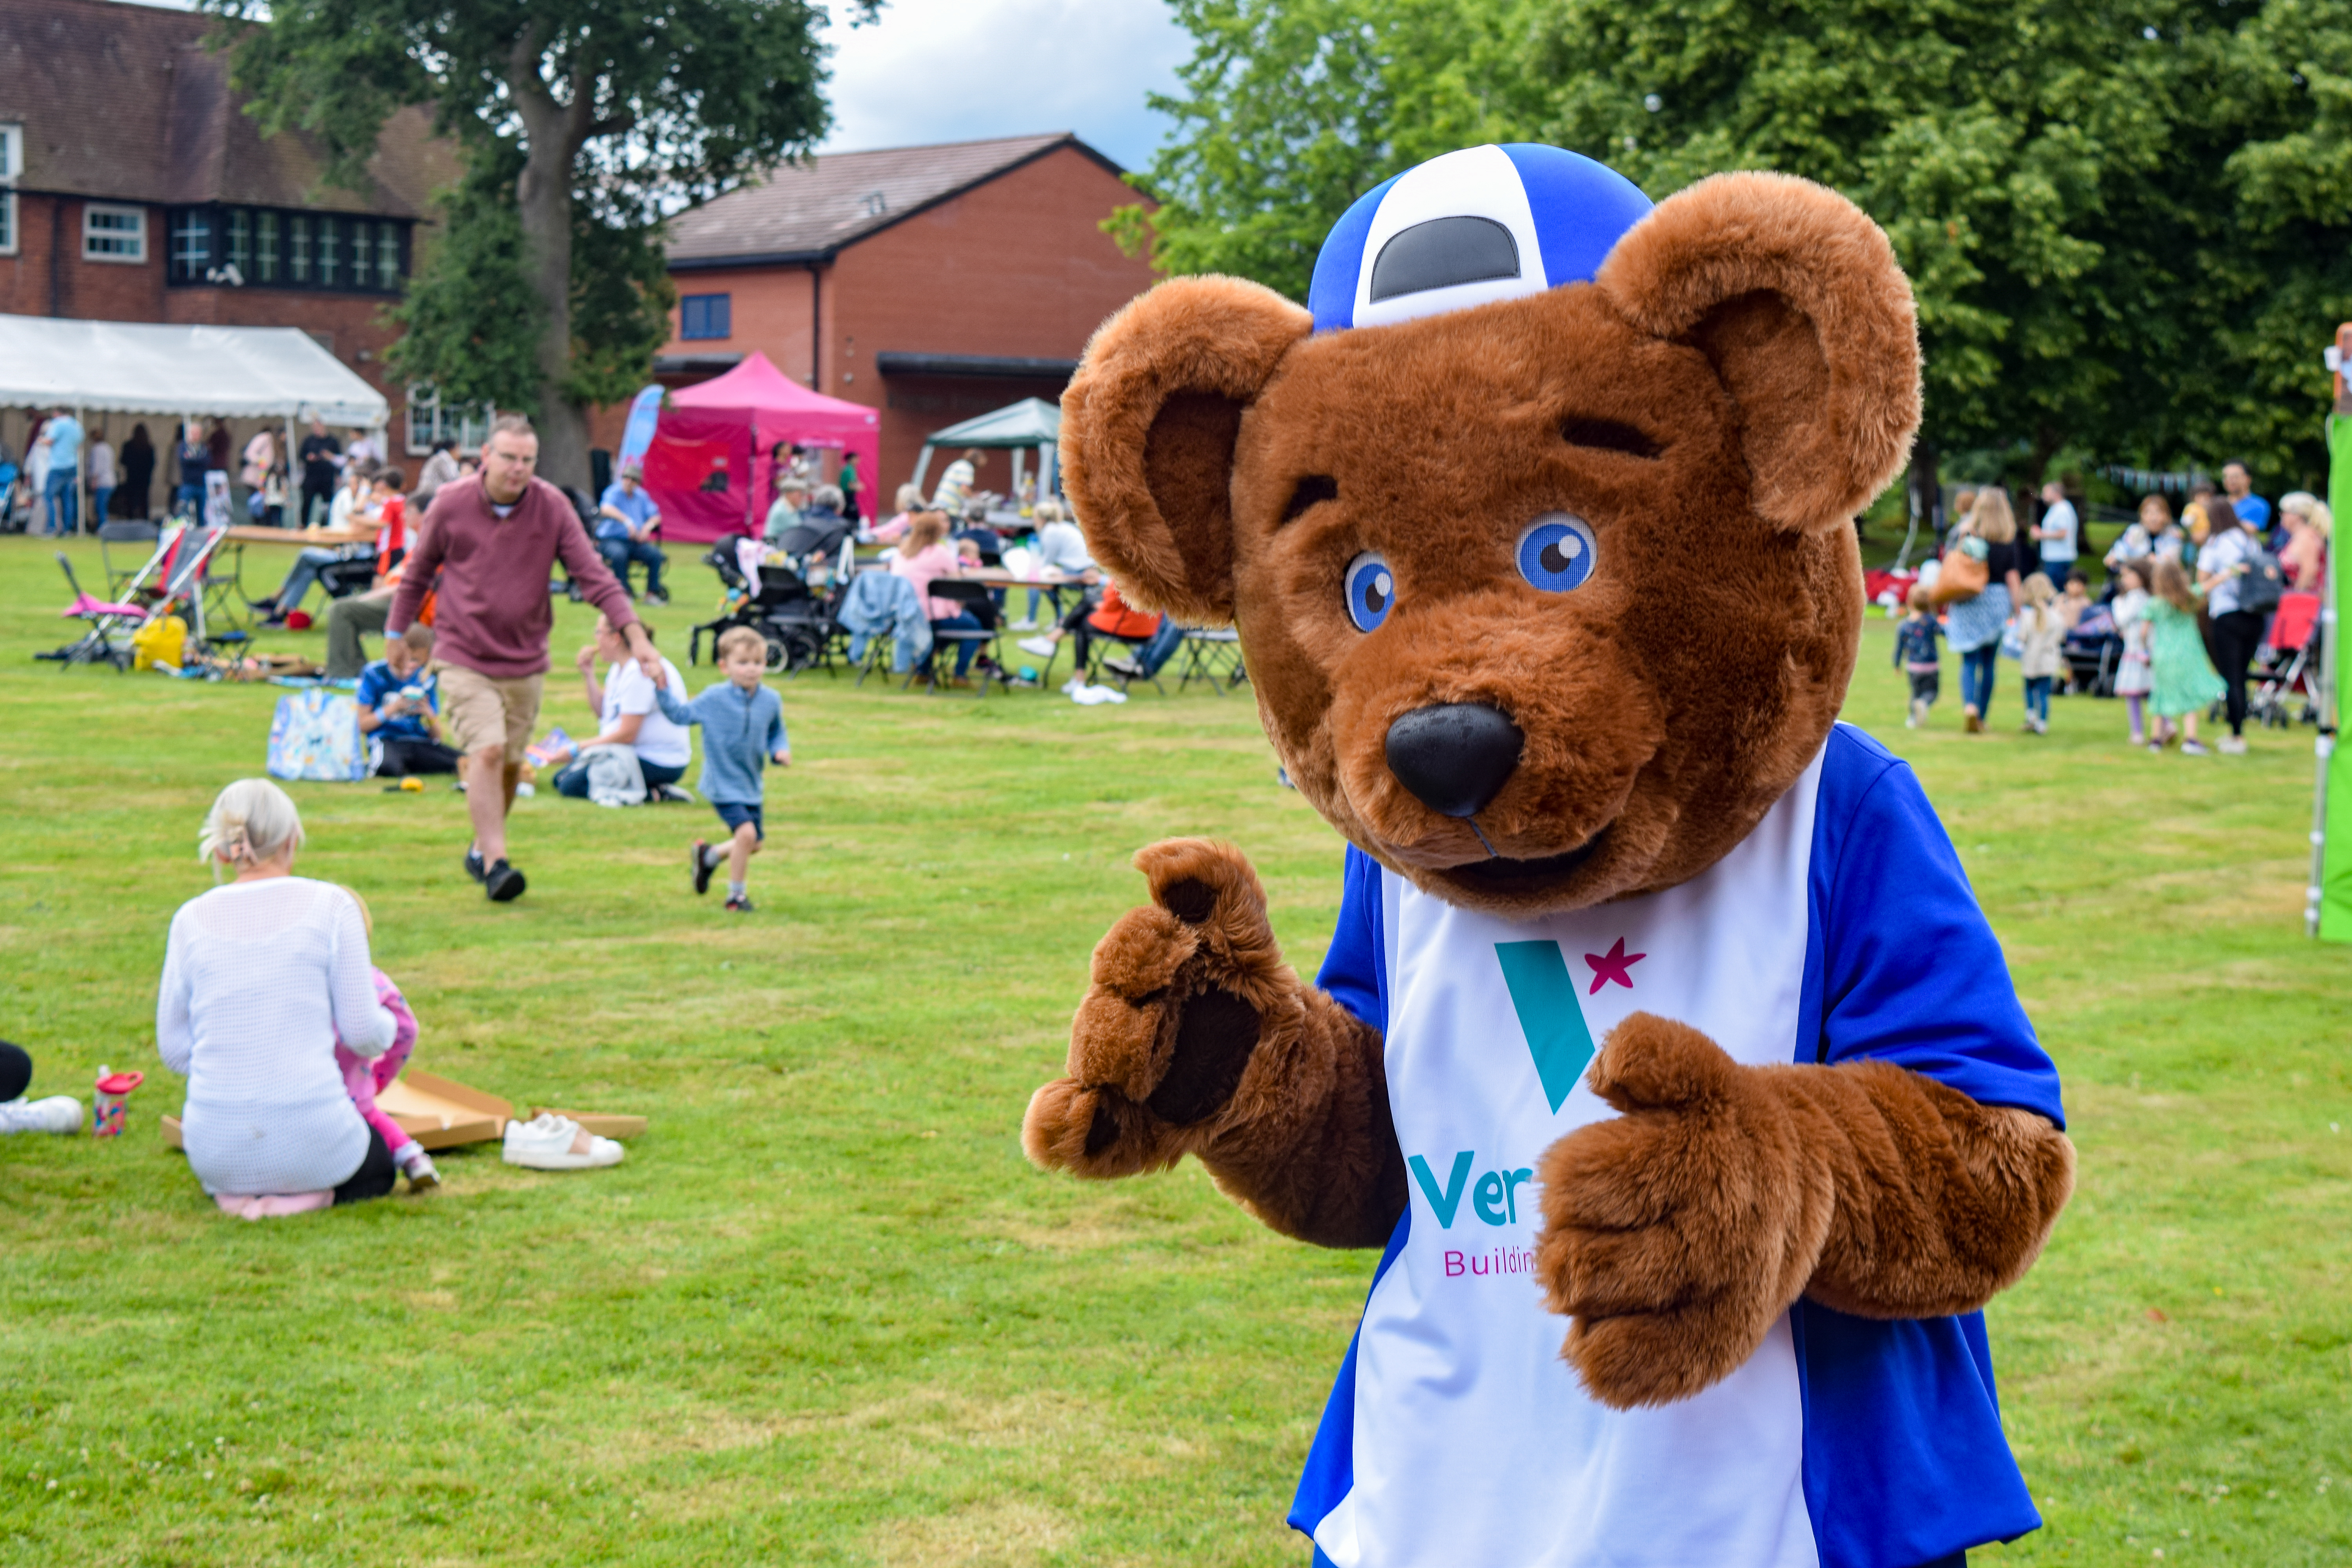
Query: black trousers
[403, 757]
[375, 1177]
[15, 1070]
[2236, 637]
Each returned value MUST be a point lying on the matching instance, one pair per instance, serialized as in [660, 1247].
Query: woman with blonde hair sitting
[260, 977]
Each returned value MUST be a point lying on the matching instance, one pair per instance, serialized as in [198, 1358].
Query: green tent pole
[2328, 908]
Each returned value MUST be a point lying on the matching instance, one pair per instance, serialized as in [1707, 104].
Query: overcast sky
[954, 71]
[957, 71]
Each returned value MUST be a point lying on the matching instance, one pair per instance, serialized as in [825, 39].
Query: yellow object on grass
[161, 641]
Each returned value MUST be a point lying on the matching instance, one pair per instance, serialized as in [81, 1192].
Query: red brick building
[134, 188]
[931, 283]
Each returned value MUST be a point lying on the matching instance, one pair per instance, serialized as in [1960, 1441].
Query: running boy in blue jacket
[743, 724]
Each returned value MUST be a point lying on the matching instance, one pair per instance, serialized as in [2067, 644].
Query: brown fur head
[1740, 377]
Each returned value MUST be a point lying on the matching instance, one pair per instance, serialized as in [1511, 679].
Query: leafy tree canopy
[2128, 228]
[583, 122]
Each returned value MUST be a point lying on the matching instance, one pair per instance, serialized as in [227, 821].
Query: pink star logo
[1616, 964]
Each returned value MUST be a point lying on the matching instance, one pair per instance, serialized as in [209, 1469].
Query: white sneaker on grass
[1042, 646]
[59, 1113]
[2233, 745]
[552, 1142]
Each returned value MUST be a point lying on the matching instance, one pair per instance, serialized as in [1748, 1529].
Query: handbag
[1964, 576]
[315, 734]
[2261, 583]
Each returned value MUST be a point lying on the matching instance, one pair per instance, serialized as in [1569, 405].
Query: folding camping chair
[100, 619]
[1209, 652]
[975, 597]
[118, 578]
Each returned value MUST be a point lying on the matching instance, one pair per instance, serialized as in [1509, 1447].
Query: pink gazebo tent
[708, 467]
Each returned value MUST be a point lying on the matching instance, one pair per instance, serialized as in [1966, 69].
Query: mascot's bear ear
[1148, 430]
[1797, 299]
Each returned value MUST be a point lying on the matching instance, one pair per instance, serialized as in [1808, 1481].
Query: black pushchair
[2093, 651]
[797, 625]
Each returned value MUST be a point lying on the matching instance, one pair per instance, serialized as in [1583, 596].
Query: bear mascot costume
[1662, 1044]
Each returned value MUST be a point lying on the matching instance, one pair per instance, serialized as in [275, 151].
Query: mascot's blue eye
[1372, 589]
[1556, 553]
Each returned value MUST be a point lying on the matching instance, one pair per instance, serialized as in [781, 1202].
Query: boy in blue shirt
[743, 721]
[400, 704]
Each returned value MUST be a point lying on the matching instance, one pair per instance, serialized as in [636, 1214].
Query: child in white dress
[2133, 680]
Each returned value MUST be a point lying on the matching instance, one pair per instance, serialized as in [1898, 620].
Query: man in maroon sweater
[492, 541]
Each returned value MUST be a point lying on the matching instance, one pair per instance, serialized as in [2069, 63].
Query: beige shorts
[481, 710]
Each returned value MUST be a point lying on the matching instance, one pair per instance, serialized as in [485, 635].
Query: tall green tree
[582, 123]
[2127, 226]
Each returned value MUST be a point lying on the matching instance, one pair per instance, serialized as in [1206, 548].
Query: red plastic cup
[107, 1109]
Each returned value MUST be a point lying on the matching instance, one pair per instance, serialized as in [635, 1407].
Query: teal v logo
[1544, 997]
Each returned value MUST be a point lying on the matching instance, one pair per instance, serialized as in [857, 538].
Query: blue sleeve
[674, 709]
[1900, 961]
[1355, 968]
[374, 681]
[777, 740]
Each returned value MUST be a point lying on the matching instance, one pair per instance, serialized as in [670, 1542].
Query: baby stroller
[796, 625]
[2282, 679]
[2093, 651]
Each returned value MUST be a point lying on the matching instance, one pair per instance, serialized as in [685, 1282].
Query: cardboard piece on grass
[438, 1112]
[602, 1126]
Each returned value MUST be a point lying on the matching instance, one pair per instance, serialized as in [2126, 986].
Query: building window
[387, 258]
[265, 229]
[298, 240]
[113, 233]
[430, 422]
[330, 253]
[704, 316]
[192, 245]
[11, 163]
[240, 242]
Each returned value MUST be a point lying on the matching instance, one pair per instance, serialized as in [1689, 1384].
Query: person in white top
[1061, 547]
[260, 978]
[2059, 531]
[629, 715]
[102, 479]
[956, 483]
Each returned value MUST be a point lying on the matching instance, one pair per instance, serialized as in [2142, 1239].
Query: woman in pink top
[924, 555]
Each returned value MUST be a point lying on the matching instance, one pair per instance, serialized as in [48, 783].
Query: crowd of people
[2191, 599]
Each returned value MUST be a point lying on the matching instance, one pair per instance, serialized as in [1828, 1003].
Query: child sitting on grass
[400, 703]
[2183, 678]
[365, 1078]
[743, 723]
[1915, 651]
[2041, 633]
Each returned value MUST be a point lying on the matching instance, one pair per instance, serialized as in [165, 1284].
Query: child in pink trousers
[365, 1078]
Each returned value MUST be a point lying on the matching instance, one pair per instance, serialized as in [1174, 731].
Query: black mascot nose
[1455, 757]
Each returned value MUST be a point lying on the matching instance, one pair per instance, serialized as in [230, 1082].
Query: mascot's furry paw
[1676, 1234]
[1183, 989]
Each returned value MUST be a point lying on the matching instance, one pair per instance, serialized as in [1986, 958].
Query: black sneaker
[702, 866]
[474, 867]
[503, 882]
[656, 597]
[738, 906]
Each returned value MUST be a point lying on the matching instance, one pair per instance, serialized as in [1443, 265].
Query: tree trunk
[543, 200]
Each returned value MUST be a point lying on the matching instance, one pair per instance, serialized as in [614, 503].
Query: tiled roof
[809, 210]
[125, 102]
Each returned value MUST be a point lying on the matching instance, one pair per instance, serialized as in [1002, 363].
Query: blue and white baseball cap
[1468, 229]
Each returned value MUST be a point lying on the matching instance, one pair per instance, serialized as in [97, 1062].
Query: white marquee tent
[132, 367]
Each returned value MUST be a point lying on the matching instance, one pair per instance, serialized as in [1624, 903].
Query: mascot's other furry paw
[1676, 1234]
[1184, 988]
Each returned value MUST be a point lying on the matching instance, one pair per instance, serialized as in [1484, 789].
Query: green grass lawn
[826, 1314]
